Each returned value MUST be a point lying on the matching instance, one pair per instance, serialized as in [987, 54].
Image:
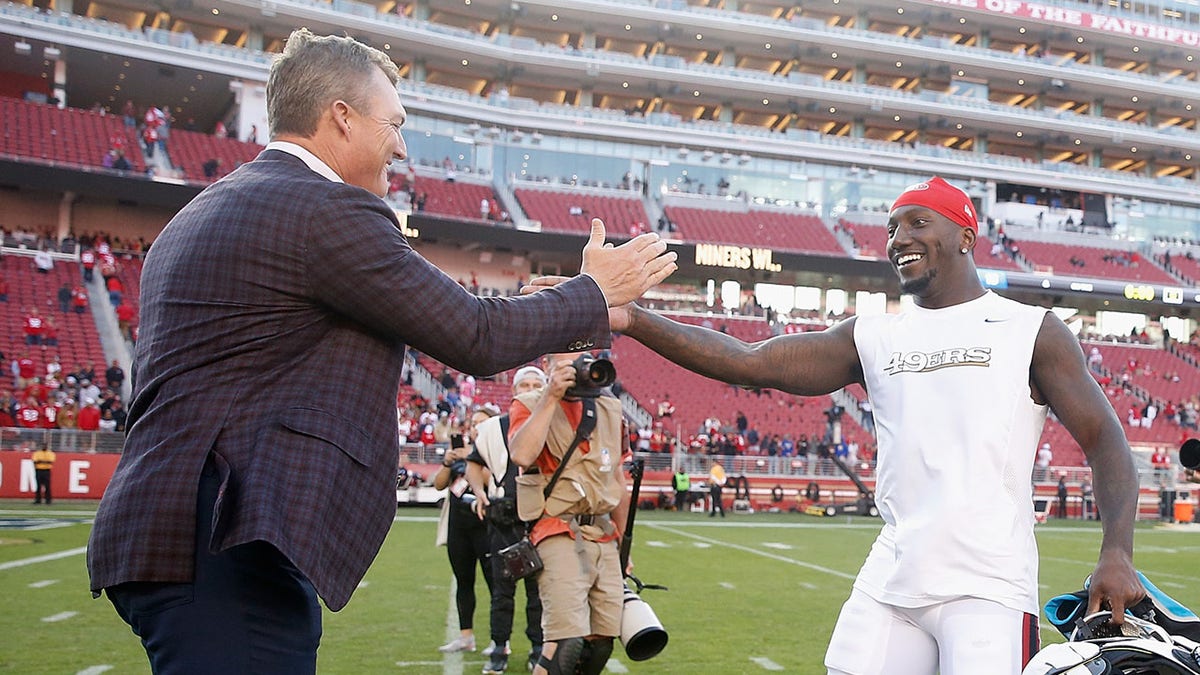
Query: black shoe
[535, 655]
[497, 663]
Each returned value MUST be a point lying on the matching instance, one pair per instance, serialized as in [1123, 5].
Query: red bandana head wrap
[938, 195]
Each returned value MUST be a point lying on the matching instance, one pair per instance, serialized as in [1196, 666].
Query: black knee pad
[565, 659]
[595, 656]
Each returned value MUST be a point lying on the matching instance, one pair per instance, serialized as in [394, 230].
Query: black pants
[717, 504]
[681, 500]
[467, 546]
[504, 591]
[248, 609]
[42, 477]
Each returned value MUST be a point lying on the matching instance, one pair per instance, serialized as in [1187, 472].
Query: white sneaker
[487, 651]
[458, 644]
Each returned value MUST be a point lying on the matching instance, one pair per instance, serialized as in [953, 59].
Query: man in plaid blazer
[259, 467]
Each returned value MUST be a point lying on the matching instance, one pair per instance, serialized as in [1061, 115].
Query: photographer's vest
[590, 484]
[683, 482]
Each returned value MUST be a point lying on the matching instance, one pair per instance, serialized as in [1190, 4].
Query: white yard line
[43, 558]
[765, 663]
[452, 663]
[615, 666]
[747, 549]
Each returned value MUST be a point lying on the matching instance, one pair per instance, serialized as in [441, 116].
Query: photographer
[577, 527]
[464, 537]
[493, 479]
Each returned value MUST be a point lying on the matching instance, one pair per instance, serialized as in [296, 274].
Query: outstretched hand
[627, 271]
[619, 317]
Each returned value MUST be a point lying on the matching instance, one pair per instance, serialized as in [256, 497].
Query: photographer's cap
[529, 371]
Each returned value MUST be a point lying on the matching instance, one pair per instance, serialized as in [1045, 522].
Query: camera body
[591, 376]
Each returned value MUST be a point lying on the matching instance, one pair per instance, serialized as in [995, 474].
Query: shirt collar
[307, 157]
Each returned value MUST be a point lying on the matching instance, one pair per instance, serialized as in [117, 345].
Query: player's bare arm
[808, 364]
[1060, 377]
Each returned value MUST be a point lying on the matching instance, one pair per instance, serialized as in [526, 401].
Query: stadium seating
[1188, 268]
[872, 241]
[1163, 375]
[648, 377]
[189, 150]
[67, 136]
[572, 211]
[1056, 259]
[453, 198]
[778, 230]
[78, 339]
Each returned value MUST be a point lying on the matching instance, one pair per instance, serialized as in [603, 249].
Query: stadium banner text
[1066, 16]
[74, 476]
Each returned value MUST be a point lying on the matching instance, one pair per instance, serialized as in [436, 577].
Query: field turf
[748, 593]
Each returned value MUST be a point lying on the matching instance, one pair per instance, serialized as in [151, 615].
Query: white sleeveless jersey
[957, 430]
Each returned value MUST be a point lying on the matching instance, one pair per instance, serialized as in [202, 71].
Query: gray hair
[312, 72]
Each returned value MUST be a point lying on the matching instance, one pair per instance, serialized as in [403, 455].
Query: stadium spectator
[125, 317]
[89, 416]
[43, 262]
[1044, 457]
[34, 327]
[107, 423]
[24, 370]
[1160, 462]
[210, 167]
[87, 259]
[214, 296]
[116, 290]
[29, 413]
[79, 299]
[114, 376]
[49, 333]
[958, 536]
[88, 392]
[64, 297]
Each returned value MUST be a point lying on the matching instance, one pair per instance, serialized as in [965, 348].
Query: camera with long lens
[642, 634]
[591, 375]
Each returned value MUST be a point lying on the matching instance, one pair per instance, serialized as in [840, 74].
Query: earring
[964, 251]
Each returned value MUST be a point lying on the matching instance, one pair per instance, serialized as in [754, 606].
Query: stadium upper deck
[1090, 97]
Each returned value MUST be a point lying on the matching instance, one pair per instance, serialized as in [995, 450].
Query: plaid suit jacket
[276, 309]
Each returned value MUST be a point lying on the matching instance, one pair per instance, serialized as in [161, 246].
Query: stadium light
[51, 53]
[23, 48]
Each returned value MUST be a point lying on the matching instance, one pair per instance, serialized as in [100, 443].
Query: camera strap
[506, 481]
[587, 424]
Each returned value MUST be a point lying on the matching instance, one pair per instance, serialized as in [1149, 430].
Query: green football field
[748, 593]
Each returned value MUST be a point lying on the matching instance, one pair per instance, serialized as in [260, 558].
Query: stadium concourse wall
[85, 475]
